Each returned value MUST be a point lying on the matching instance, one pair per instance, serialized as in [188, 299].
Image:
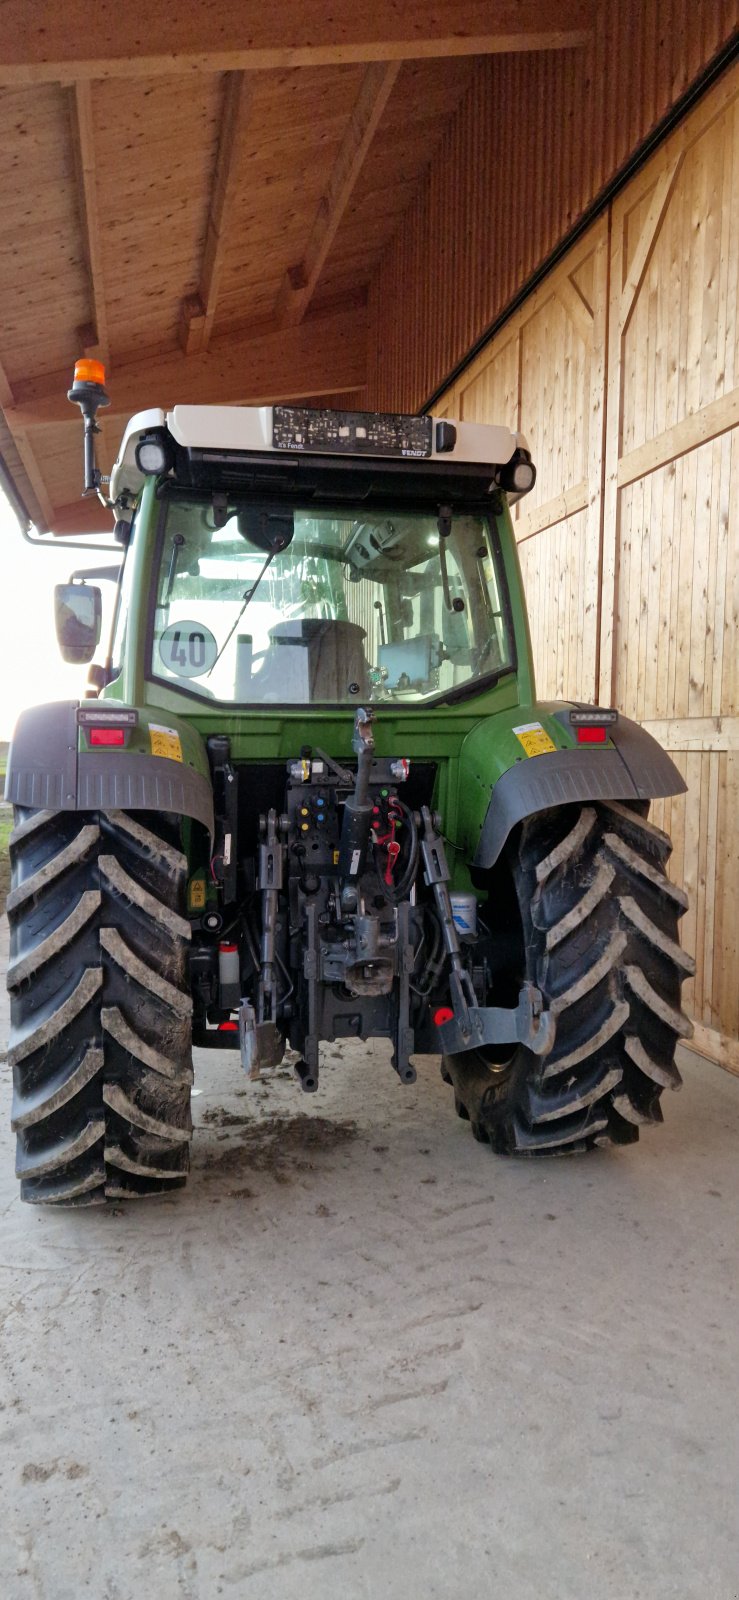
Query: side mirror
[78, 614]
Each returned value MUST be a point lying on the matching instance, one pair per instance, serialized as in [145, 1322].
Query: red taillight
[443, 1014]
[228, 1027]
[105, 735]
[592, 735]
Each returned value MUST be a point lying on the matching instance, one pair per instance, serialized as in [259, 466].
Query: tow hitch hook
[528, 1024]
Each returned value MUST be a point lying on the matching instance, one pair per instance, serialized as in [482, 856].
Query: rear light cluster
[106, 726]
[592, 724]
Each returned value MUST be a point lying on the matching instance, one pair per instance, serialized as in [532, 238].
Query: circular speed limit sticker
[188, 649]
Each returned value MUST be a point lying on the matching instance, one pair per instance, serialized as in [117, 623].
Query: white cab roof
[250, 429]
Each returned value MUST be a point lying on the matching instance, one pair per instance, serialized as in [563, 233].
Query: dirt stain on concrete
[276, 1144]
[41, 1471]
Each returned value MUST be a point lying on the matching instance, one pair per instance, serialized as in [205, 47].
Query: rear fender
[162, 768]
[631, 766]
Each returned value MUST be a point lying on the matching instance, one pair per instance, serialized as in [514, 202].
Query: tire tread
[100, 1040]
[601, 933]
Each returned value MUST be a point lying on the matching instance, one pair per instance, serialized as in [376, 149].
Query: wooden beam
[300, 282]
[715, 1046]
[191, 329]
[84, 516]
[45, 43]
[326, 355]
[552, 511]
[83, 147]
[696, 429]
[580, 315]
[6, 393]
[24, 450]
[19, 435]
[647, 239]
[198, 311]
[30, 466]
[695, 733]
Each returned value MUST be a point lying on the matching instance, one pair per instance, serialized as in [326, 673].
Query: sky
[31, 668]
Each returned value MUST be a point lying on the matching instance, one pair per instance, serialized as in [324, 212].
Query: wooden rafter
[46, 43]
[300, 281]
[326, 355]
[83, 516]
[198, 311]
[31, 467]
[19, 435]
[6, 393]
[83, 145]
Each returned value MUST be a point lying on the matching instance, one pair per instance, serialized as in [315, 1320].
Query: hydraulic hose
[399, 891]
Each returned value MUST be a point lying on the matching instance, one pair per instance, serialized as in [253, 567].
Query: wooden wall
[534, 140]
[623, 371]
[546, 373]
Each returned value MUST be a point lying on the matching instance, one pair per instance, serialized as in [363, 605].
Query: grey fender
[46, 773]
[637, 769]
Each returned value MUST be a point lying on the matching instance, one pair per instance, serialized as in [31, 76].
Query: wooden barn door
[670, 593]
[545, 375]
[623, 371]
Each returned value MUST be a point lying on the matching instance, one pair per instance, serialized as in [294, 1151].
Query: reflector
[443, 1014]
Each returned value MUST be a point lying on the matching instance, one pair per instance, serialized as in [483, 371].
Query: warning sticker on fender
[534, 738]
[165, 742]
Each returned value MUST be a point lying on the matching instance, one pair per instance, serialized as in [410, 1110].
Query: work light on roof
[153, 455]
[523, 476]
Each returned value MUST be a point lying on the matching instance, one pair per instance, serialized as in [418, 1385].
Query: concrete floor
[360, 1357]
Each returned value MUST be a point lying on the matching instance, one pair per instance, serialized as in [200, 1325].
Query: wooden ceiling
[201, 194]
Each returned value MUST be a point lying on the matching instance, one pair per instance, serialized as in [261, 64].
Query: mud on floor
[273, 1144]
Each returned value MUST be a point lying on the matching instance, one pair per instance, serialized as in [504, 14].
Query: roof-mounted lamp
[89, 393]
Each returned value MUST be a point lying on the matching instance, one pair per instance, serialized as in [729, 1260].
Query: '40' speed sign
[188, 648]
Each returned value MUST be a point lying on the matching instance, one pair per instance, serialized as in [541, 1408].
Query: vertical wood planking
[650, 379]
[671, 527]
[544, 374]
[537, 136]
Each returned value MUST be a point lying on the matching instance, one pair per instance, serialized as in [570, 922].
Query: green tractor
[312, 796]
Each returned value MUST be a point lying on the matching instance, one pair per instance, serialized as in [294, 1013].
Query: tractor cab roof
[223, 446]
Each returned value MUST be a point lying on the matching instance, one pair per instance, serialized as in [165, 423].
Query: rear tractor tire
[100, 1040]
[600, 941]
